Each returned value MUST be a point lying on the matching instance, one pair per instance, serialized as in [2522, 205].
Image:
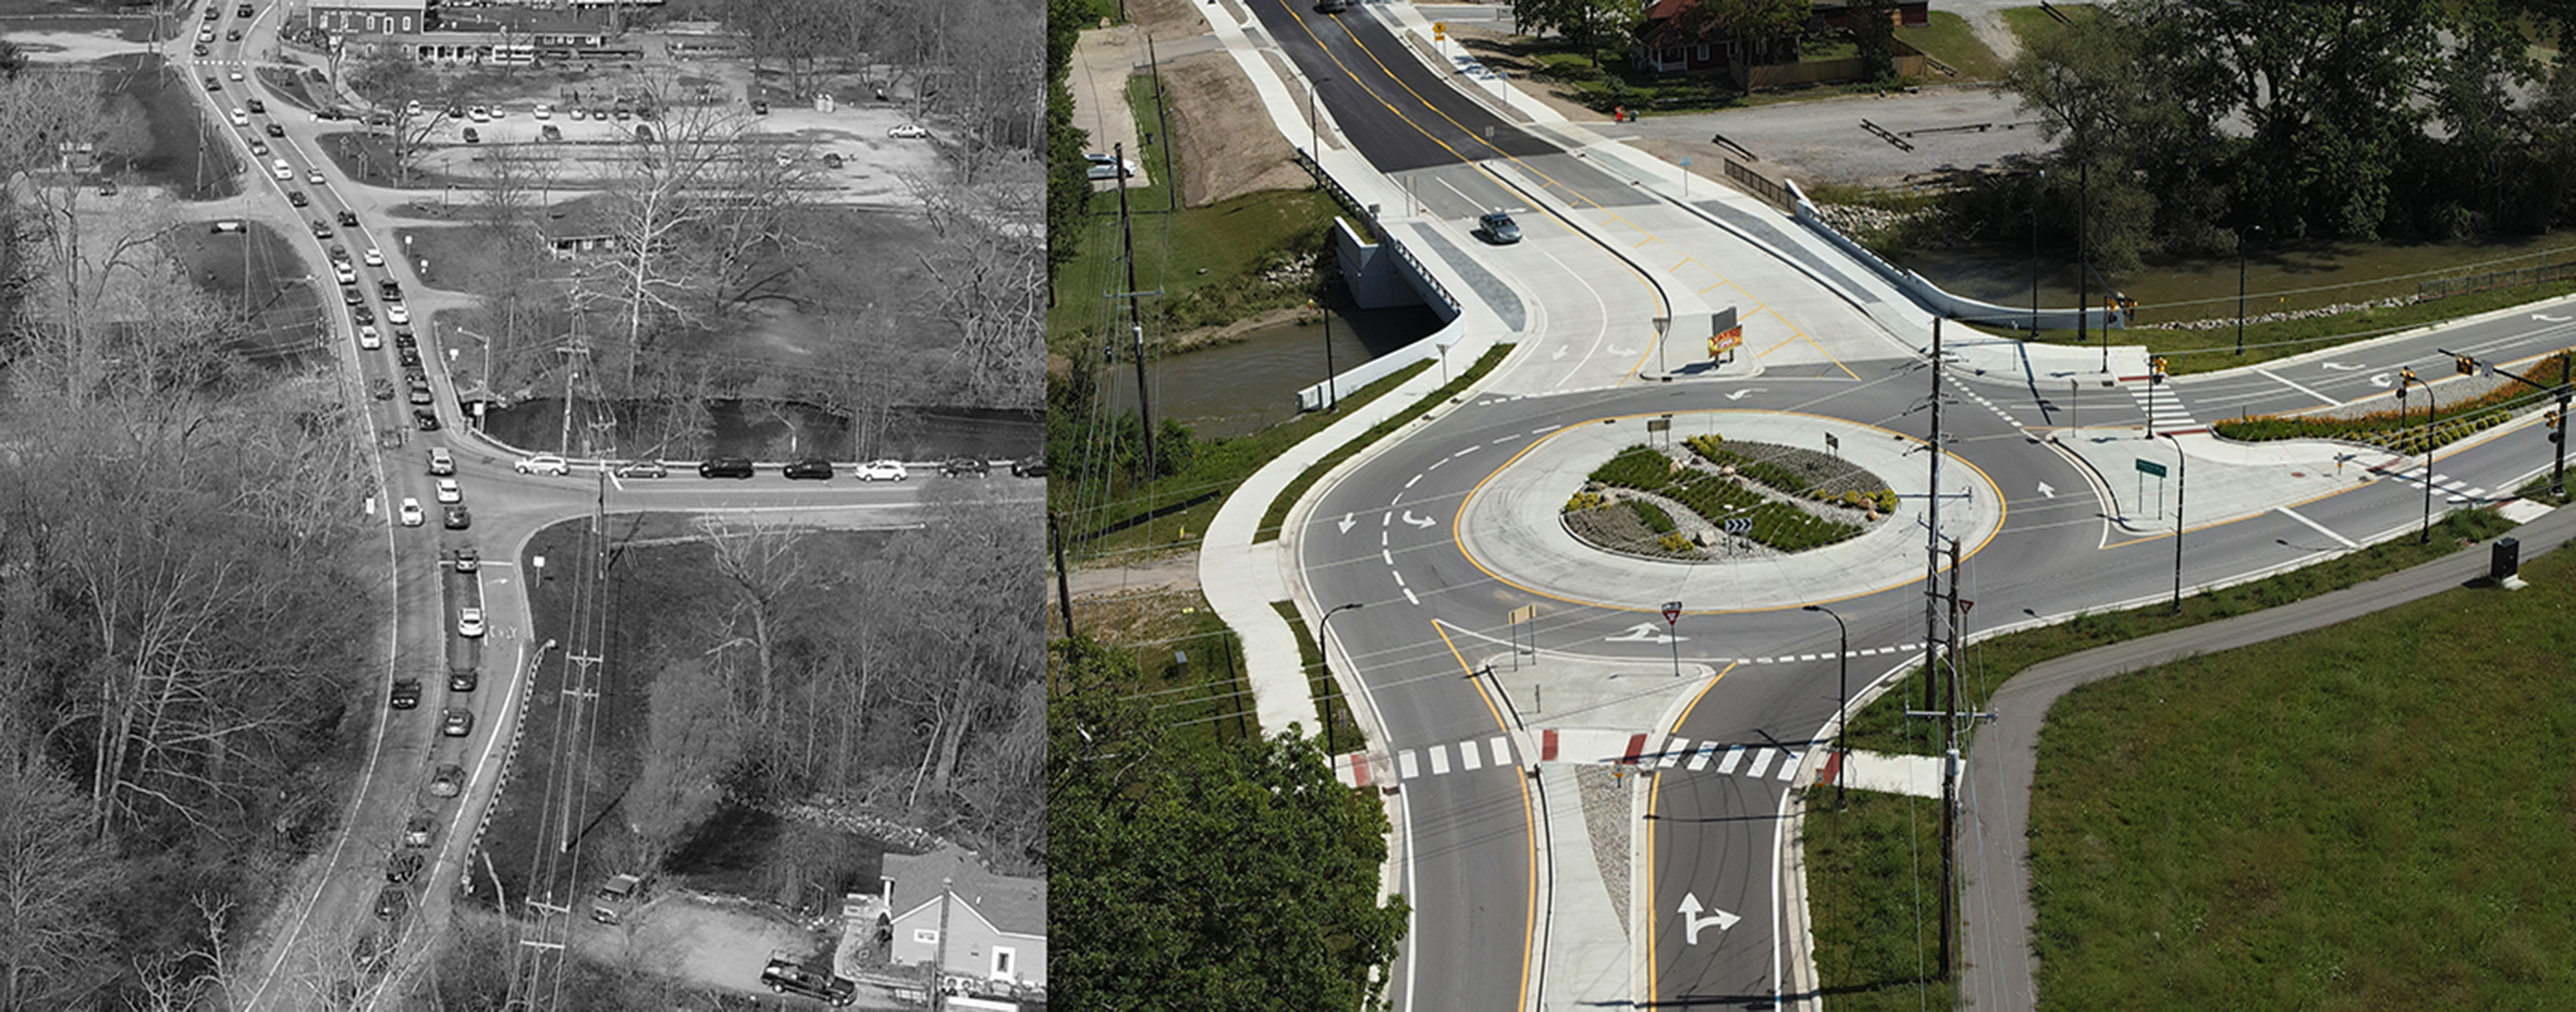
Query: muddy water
[2301, 277]
[1236, 389]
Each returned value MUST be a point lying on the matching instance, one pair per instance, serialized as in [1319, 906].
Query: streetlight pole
[1842, 710]
[1315, 128]
[2240, 294]
[1323, 649]
[2182, 487]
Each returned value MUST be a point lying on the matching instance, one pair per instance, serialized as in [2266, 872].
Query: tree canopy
[1243, 877]
[2192, 124]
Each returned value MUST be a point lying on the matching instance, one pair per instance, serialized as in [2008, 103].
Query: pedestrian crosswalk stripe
[1699, 760]
[1467, 757]
[1405, 769]
[1733, 756]
[1761, 761]
[1439, 760]
[1673, 750]
[1502, 751]
[1790, 768]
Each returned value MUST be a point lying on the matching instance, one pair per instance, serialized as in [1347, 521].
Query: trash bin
[2506, 561]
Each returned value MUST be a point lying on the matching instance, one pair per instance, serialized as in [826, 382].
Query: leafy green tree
[1586, 23]
[1238, 877]
[1068, 180]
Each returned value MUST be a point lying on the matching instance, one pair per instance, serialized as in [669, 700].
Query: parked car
[543, 463]
[469, 622]
[314, 176]
[882, 470]
[406, 694]
[420, 394]
[441, 462]
[321, 229]
[449, 491]
[644, 133]
[257, 107]
[643, 469]
[417, 829]
[760, 107]
[458, 519]
[725, 467]
[424, 419]
[449, 782]
[348, 219]
[909, 131]
[955, 467]
[401, 865]
[810, 469]
[273, 130]
[389, 289]
[368, 339]
[396, 312]
[468, 559]
[472, 137]
[374, 258]
[456, 722]
[411, 514]
[363, 315]
[1029, 467]
[617, 895]
[297, 198]
[392, 903]
[549, 132]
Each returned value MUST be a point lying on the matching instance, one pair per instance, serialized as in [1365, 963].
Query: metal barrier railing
[1363, 212]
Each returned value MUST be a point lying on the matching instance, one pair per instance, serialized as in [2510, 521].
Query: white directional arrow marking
[1560, 354]
[2379, 379]
[1734, 395]
[1645, 632]
[1692, 921]
[2047, 491]
[2552, 319]
[1616, 350]
[1414, 521]
[1347, 522]
[2340, 367]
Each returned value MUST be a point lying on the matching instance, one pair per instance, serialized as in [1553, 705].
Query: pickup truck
[787, 975]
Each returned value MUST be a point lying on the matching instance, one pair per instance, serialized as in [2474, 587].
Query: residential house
[996, 933]
[1671, 41]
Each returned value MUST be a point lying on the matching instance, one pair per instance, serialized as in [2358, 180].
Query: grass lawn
[1345, 734]
[1860, 873]
[2366, 816]
[1949, 40]
[1204, 263]
[2195, 351]
[1874, 892]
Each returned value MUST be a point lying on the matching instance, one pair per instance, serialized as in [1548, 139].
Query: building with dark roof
[996, 924]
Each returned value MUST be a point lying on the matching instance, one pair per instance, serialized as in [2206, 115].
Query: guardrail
[1761, 186]
[1368, 213]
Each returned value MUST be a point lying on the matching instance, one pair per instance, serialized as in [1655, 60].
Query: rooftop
[1016, 905]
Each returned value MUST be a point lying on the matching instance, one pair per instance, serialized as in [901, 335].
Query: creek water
[1238, 388]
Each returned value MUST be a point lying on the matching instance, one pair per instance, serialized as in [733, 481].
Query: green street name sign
[2146, 466]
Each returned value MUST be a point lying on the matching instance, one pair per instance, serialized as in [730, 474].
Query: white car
[479, 114]
[881, 470]
[241, 118]
[411, 514]
[369, 339]
[395, 313]
[282, 170]
[543, 111]
[314, 176]
[375, 257]
[910, 130]
[449, 491]
[543, 463]
[469, 622]
[574, 112]
[235, 75]
[346, 274]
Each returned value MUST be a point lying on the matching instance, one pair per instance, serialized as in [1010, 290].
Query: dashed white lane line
[1435, 465]
[1408, 596]
[1388, 555]
[1464, 452]
[2318, 527]
[1399, 577]
[1545, 431]
[1409, 482]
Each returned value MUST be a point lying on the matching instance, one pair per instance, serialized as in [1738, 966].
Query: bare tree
[56, 878]
[691, 742]
[990, 270]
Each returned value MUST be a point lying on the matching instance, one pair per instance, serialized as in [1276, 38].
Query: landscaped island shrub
[2402, 430]
[1718, 498]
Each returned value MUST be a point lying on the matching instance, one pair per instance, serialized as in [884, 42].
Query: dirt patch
[719, 945]
[1167, 20]
[1220, 158]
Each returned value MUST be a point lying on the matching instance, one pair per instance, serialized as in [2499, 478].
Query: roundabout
[1511, 525]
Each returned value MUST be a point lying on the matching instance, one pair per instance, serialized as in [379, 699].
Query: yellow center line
[1529, 817]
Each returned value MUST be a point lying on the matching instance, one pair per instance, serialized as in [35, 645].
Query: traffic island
[1792, 549]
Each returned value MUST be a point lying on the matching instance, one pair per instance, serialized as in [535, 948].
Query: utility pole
[939, 962]
[1063, 589]
[1950, 778]
[1932, 540]
[1135, 315]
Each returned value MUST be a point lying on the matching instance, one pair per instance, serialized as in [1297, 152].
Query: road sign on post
[2146, 466]
[1724, 334]
[1672, 616]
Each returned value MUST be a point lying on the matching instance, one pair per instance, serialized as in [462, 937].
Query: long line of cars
[807, 469]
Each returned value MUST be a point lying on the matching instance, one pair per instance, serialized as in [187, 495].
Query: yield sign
[1672, 612]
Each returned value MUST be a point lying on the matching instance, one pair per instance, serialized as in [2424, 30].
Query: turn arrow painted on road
[1692, 921]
